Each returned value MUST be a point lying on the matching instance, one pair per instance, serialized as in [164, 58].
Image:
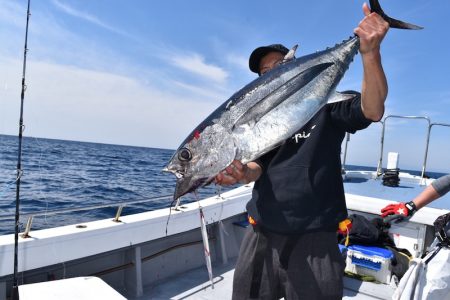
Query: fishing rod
[15, 288]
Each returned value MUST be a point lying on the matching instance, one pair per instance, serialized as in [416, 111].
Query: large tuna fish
[264, 113]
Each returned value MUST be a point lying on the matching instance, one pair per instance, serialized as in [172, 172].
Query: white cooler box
[369, 260]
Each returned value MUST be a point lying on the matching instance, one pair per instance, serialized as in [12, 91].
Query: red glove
[400, 209]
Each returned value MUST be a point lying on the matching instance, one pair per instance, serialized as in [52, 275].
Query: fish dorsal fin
[338, 97]
[290, 55]
[256, 112]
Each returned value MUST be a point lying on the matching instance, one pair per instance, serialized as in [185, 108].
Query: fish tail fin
[393, 23]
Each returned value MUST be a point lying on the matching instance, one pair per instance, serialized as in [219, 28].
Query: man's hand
[371, 31]
[399, 209]
[238, 172]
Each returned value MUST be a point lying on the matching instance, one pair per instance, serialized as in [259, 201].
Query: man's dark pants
[309, 266]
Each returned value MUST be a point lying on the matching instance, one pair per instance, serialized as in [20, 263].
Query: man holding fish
[298, 199]
[284, 131]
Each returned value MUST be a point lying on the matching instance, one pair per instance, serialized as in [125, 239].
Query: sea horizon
[64, 174]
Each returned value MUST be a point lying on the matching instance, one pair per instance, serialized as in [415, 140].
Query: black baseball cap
[259, 53]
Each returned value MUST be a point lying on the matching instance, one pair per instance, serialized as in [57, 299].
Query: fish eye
[184, 154]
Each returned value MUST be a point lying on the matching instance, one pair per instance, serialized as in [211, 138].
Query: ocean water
[66, 174]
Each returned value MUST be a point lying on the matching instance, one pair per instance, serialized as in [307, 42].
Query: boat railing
[120, 206]
[383, 131]
[427, 141]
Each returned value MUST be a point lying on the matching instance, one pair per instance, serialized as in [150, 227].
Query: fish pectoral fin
[338, 97]
[279, 95]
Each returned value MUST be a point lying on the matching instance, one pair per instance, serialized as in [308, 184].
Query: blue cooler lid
[371, 250]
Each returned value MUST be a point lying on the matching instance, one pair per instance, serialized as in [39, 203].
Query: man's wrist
[371, 56]
[250, 173]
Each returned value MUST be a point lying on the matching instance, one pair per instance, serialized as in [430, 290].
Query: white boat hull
[137, 258]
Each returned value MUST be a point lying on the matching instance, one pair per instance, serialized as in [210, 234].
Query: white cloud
[94, 93]
[49, 39]
[238, 60]
[87, 17]
[195, 64]
[206, 94]
[77, 104]
[12, 13]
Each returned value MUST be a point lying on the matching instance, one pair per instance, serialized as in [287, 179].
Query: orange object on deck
[344, 228]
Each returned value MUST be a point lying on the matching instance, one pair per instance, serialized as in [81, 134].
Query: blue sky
[145, 73]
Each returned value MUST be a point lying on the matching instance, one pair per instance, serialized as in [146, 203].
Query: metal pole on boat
[428, 141]
[426, 154]
[345, 152]
[15, 288]
[380, 160]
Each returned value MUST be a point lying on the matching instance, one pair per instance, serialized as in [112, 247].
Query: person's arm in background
[435, 190]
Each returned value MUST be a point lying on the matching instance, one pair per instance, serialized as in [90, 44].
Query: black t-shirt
[300, 188]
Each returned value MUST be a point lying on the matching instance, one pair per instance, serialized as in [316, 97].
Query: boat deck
[196, 285]
[406, 191]
[146, 264]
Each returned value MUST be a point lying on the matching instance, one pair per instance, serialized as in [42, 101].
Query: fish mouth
[182, 187]
[187, 184]
[177, 173]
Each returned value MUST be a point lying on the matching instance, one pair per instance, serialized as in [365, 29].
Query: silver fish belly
[260, 116]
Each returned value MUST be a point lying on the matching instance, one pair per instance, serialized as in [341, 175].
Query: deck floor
[406, 191]
[195, 285]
